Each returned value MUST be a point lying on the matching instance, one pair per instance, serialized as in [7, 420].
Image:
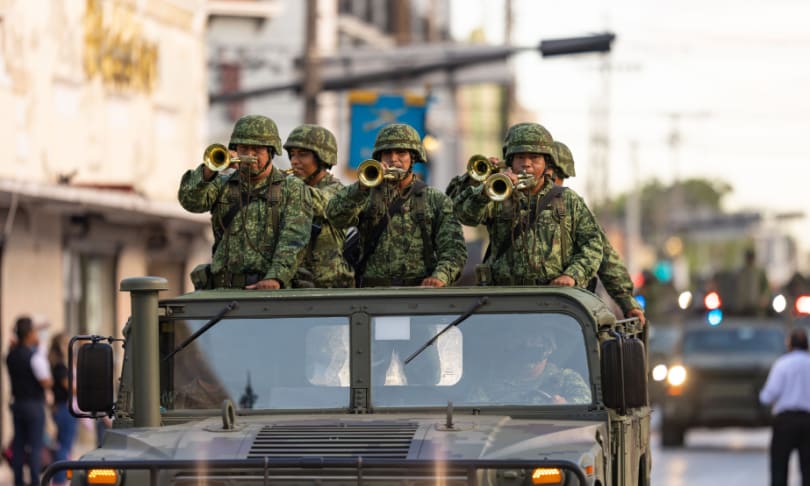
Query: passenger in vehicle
[312, 150]
[539, 234]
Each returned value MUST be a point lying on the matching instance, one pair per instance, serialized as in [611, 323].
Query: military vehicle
[716, 373]
[461, 385]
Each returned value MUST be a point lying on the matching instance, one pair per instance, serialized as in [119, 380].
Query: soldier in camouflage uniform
[313, 151]
[421, 242]
[543, 382]
[527, 377]
[612, 271]
[261, 219]
[557, 244]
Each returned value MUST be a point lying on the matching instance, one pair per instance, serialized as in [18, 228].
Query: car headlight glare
[676, 375]
[659, 372]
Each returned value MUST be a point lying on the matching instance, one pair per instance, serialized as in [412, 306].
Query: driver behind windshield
[533, 379]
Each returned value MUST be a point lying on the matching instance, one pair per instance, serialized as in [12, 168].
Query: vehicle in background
[663, 340]
[717, 372]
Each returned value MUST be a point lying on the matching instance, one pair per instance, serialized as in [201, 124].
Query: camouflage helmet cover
[399, 136]
[528, 138]
[316, 138]
[565, 161]
[541, 345]
[255, 130]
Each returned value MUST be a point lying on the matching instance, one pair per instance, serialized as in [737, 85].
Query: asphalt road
[712, 457]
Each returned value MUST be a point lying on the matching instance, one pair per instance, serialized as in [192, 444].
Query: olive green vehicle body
[374, 434]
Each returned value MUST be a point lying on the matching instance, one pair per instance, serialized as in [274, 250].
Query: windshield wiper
[458, 320]
[231, 306]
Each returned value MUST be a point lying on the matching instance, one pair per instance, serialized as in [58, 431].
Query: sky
[731, 78]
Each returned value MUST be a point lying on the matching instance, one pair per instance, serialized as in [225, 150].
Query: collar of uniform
[325, 180]
[547, 185]
[275, 176]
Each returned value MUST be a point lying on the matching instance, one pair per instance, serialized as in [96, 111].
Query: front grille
[380, 440]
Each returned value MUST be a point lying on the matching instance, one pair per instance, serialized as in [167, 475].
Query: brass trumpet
[479, 168]
[499, 187]
[371, 173]
[217, 157]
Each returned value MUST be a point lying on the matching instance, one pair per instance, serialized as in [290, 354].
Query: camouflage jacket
[324, 257]
[457, 185]
[536, 390]
[398, 250]
[562, 239]
[249, 244]
[553, 381]
[615, 278]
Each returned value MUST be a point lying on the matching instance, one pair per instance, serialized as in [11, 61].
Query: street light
[577, 45]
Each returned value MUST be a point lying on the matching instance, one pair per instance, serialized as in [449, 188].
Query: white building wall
[60, 122]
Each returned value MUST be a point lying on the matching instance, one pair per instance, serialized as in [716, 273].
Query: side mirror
[94, 377]
[624, 373]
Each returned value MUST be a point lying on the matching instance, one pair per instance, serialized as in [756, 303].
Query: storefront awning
[114, 205]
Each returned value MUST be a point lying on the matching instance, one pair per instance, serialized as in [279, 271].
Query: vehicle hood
[391, 436]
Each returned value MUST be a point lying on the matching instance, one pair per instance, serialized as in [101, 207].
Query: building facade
[104, 108]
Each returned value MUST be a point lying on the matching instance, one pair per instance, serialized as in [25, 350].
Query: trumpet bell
[478, 168]
[217, 157]
[370, 173]
[498, 187]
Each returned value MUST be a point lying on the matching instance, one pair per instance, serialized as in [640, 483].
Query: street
[716, 456]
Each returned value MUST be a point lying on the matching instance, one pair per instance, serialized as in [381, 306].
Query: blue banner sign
[370, 111]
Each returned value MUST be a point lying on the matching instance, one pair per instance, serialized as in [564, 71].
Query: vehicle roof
[589, 302]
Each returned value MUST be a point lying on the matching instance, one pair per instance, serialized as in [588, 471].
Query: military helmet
[399, 136]
[318, 139]
[255, 130]
[564, 159]
[540, 345]
[528, 138]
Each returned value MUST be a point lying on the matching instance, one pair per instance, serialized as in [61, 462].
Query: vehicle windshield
[734, 340]
[303, 363]
[663, 339]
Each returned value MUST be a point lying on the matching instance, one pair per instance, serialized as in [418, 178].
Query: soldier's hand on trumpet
[372, 173]
[217, 158]
[479, 167]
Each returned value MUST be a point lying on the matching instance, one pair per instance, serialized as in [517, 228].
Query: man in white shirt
[787, 390]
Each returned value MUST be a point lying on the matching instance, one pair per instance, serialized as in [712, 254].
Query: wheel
[672, 434]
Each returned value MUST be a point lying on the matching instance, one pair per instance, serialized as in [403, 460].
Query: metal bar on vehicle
[154, 467]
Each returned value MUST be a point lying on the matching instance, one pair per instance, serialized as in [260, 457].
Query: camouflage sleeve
[343, 210]
[320, 198]
[472, 207]
[587, 252]
[451, 250]
[196, 194]
[615, 278]
[574, 388]
[458, 184]
[294, 232]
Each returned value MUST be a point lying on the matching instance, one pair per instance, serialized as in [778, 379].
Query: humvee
[461, 385]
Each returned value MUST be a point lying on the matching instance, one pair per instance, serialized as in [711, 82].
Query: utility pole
[633, 219]
[508, 101]
[599, 171]
[675, 141]
[402, 21]
[312, 78]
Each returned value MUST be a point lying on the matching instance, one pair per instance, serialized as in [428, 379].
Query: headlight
[676, 375]
[659, 373]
